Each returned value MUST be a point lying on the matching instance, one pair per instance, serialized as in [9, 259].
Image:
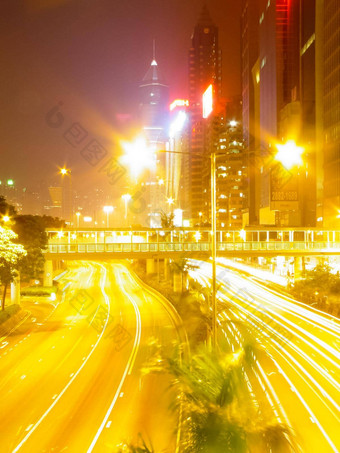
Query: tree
[218, 410]
[6, 208]
[31, 234]
[167, 220]
[52, 222]
[10, 256]
[141, 447]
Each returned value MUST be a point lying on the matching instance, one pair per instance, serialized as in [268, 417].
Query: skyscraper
[251, 135]
[154, 118]
[154, 103]
[279, 95]
[331, 110]
[204, 69]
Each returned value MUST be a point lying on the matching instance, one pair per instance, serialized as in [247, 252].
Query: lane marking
[35, 426]
[126, 371]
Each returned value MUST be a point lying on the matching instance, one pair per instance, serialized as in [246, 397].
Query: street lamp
[289, 154]
[126, 197]
[6, 218]
[139, 156]
[212, 158]
[108, 210]
[64, 171]
[170, 201]
[67, 201]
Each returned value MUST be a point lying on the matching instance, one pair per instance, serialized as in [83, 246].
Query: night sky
[91, 55]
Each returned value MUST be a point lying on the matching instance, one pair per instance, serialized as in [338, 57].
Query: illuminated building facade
[204, 69]
[329, 16]
[230, 177]
[154, 102]
[154, 118]
[250, 103]
[279, 99]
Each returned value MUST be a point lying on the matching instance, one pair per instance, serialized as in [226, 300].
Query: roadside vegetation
[219, 413]
[191, 301]
[23, 240]
[320, 288]
[8, 312]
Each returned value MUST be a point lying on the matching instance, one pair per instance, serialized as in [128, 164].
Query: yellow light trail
[75, 375]
[127, 369]
[307, 325]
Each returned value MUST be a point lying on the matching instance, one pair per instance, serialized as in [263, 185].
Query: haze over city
[170, 226]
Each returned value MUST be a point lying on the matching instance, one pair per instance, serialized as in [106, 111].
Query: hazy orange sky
[91, 55]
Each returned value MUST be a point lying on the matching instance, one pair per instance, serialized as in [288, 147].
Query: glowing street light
[6, 218]
[138, 156]
[108, 210]
[170, 201]
[64, 171]
[197, 235]
[289, 154]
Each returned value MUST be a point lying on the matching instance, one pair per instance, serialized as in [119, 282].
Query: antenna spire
[154, 49]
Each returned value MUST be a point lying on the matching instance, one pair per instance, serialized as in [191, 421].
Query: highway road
[70, 375]
[297, 361]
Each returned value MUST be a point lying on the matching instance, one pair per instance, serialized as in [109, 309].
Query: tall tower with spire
[154, 100]
[154, 119]
[204, 69]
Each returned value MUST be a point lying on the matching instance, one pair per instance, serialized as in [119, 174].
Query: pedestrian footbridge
[100, 243]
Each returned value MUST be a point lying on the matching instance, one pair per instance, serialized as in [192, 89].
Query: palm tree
[219, 414]
[141, 447]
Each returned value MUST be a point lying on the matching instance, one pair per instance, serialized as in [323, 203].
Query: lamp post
[213, 221]
[289, 154]
[213, 247]
[212, 158]
[78, 216]
[170, 201]
[66, 204]
[126, 197]
[108, 210]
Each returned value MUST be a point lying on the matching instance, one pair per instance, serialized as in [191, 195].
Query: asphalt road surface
[71, 378]
[297, 363]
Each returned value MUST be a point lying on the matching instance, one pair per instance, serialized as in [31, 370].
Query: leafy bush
[38, 291]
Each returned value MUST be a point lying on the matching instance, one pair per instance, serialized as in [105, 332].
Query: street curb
[7, 327]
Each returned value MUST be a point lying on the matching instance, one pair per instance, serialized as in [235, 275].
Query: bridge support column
[180, 281]
[299, 267]
[15, 290]
[150, 266]
[48, 273]
[177, 282]
[166, 269]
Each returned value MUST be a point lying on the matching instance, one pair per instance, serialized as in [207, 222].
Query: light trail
[75, 375]
[126, 370]
[309, 346]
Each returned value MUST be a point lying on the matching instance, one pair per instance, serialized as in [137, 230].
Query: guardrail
[324, 247]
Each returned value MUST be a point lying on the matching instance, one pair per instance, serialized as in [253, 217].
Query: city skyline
[62, 54]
